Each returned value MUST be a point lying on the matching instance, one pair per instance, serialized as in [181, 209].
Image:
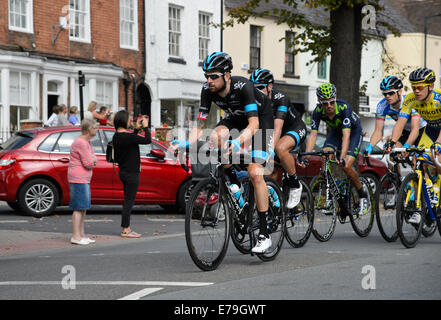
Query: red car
[372, 174]
[33, 172]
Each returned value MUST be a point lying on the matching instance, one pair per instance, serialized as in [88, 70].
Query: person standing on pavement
[79, 173]
[126, 146]
[53, 119]
[73, 119]
[62, 115]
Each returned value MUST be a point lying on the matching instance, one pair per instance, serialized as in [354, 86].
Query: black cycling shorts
[295, 130]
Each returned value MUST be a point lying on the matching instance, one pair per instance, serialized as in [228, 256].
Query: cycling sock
[231, 174]
[293, 181]
[263, 229]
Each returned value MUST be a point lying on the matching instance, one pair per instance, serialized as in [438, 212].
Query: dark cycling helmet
[422, 75]
[326, 91]
[218, 61]
[262, 76]
[391, 82]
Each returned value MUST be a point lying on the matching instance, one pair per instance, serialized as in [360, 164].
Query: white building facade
[179, 35]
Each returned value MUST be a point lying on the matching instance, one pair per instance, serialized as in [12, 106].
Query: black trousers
[130, 181]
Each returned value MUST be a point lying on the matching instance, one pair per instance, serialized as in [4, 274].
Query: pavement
[22, 234]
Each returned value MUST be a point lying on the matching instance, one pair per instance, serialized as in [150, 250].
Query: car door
[60, 160]
[157, 177]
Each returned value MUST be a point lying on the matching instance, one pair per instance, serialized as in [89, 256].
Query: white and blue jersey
[384, 109]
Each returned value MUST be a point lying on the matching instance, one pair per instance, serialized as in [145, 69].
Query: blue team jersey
[344, 117]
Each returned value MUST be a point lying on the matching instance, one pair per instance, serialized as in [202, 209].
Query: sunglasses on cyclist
[326, 103]
[389, 93]
[261, 86]
[213, 76]
[419, 87]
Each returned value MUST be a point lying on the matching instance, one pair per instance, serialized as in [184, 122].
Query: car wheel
[13, 205]
[38, 198]
[372, 179]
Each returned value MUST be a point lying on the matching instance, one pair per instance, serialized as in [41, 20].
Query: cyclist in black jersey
[289, 130]
[345, 135]
[249, 112]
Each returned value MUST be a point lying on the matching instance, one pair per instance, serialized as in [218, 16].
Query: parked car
[33, 172]
[372, 174]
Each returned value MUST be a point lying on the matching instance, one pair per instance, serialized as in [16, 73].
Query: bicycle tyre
[296, 234]
[404, 228]
[362, 225]
[201, 222]
[386, 221]
[317, 188]
[438, 219]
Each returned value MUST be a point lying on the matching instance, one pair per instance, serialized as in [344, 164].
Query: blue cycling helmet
[218, 61]
[390, 83]
[262, 76]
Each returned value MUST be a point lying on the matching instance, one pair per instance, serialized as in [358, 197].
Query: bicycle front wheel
[207, 225]
[325, 210]
[300, 219]
[409, 232]
[385, 207]
[362, 223]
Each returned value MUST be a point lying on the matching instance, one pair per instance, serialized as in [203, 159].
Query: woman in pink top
[79, 173]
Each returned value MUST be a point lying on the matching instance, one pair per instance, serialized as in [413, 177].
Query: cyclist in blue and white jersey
[392, 88]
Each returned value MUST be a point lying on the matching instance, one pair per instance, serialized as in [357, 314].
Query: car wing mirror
[158, 153]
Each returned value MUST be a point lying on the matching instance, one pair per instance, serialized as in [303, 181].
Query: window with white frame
[20, 98]
[21, 15]
[255, 39]
[128, 22]
[104, 94]
[174, 31]
[204, 34]
[79, 20]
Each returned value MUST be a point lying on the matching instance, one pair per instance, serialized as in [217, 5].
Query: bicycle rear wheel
[207, 225]
[385, 207]
[300, 219]
[325, 212]
[409, 233]
[362, 224]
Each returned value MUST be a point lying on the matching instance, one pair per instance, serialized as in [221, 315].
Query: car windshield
[18, 140]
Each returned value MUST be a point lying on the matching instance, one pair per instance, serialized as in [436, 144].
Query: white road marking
[139, 294]
[165, 220]
[14, 221]
[108, 283]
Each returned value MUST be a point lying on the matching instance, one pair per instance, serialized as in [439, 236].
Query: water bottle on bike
[237, 194]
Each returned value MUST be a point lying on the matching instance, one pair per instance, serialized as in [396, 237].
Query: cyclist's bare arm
[278, 125]
[398, 128]
[415, 129]
[345, 142]
[378, 132]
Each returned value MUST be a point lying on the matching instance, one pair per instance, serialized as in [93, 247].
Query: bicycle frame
[419, 170]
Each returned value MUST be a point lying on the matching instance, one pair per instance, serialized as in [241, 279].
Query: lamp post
[426, 18]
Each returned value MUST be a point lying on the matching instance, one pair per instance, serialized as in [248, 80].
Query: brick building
[40, 59]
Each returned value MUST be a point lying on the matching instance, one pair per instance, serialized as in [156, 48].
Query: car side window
[109, 134]
[96, 144]
[65, 141]
[48, 144]
[145, 149]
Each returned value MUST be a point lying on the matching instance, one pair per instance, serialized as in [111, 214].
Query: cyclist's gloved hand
[406, 145]
[181, 144]
[437, 146]
[368, 149]
[235, 143]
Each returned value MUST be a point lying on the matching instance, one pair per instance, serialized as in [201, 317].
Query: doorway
[143, 100]
[52, 100]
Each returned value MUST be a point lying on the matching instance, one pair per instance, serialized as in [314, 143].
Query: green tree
[340, 35]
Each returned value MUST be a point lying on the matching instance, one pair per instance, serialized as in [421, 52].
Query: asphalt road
[158, 266]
